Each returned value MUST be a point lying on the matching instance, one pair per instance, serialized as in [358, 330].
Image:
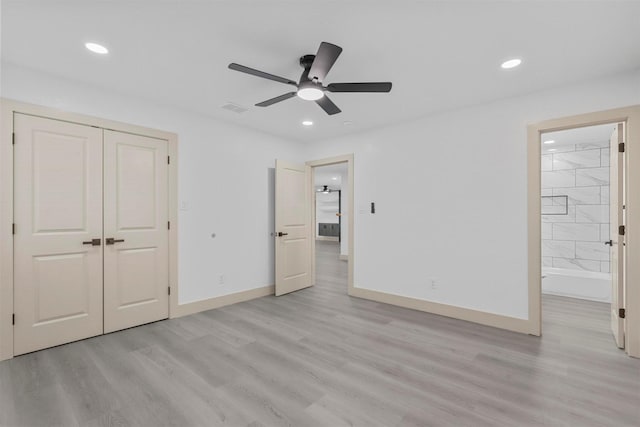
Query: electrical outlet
[221, 279]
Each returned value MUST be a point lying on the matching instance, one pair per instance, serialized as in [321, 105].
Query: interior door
[58, 214]
[136, 261]
[293, 222]
[616, 219]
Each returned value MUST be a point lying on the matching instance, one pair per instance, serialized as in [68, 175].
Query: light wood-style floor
[320, 358]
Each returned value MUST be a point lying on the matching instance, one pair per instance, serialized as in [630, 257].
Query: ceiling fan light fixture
[310, 93]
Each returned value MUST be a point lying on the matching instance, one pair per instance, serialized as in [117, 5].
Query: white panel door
[58, 213]
[293, 222]
[136, 261]
[616, 183]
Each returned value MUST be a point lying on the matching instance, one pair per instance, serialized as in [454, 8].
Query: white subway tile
[547, 261]
[592, 145]
[559, 179]
[558, 248]
[592, 213]
[576, 264]
[604, 232]
[583, 232]
[592, 176]
[547, 162]
[580, 195]
[605, 157]
[569, 217]
[605, 267]
[604, 195]
[576, 159]
[597, 251]
[547, 232]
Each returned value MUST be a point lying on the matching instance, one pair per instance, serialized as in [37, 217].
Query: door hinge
[168, 160]
[621, 230]
[169, 290]
[168, 225]
[13, 138]
[13, 319]
[621, 313]
[621, 147]
[13, 228]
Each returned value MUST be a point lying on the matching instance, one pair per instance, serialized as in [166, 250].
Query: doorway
[295, 223]
[330, 226]
[582, 180]
[625, 292]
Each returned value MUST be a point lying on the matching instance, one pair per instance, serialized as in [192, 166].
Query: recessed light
[334, 178]
[551, 141]
[347, 123]
[96, 48]
[307, 123]
[552, 149]
[511, 63]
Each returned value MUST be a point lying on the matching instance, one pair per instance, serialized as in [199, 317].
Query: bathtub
[577, 284]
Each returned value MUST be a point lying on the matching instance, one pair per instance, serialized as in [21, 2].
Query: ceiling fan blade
[360, 87]
[325, 58]
[276, 99]
[258, 73]
[328, 106]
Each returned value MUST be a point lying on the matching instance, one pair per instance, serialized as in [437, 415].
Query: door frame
[8, 108]
[631, 117]
[348, 159]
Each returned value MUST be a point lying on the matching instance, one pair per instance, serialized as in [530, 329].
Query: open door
[293, 222]
[617, 238]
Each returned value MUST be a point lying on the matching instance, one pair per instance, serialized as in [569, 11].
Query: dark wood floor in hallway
[320, 358]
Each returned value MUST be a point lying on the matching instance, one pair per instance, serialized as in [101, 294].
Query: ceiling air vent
[236, 108]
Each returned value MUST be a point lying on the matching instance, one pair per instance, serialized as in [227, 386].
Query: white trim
[327, 238]
[484, 318]
[630, 116]
[8, 108]
[344, 257]
[221, 301]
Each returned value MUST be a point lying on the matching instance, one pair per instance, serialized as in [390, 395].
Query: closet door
[58, 235]
[136, 263]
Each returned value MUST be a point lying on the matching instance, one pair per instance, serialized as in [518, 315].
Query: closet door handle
[93, 242]
[111, 241]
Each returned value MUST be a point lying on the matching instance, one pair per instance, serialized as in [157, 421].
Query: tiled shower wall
[576, 240]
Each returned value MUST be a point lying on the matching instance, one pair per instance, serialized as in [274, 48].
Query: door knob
[93, 242]
[111, 241]
[280, 234]
[610, 243]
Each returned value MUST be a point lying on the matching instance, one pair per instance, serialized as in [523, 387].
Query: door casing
[7, 110]
[631, 117]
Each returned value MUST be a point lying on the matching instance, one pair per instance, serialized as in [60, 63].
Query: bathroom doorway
[581, 190]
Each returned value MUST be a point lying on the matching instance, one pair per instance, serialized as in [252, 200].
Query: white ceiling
[439, 55]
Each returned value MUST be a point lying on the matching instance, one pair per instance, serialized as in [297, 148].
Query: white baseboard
[221, 301]
[344, 257]
[327, 238]
[489, 319]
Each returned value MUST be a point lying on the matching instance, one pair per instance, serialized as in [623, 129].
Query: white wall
[226, 178]
[452, 203]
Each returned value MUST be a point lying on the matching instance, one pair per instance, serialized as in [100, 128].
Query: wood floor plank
[317, 357]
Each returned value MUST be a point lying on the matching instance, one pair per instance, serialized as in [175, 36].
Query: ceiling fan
[326, 190]
[310, 87]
